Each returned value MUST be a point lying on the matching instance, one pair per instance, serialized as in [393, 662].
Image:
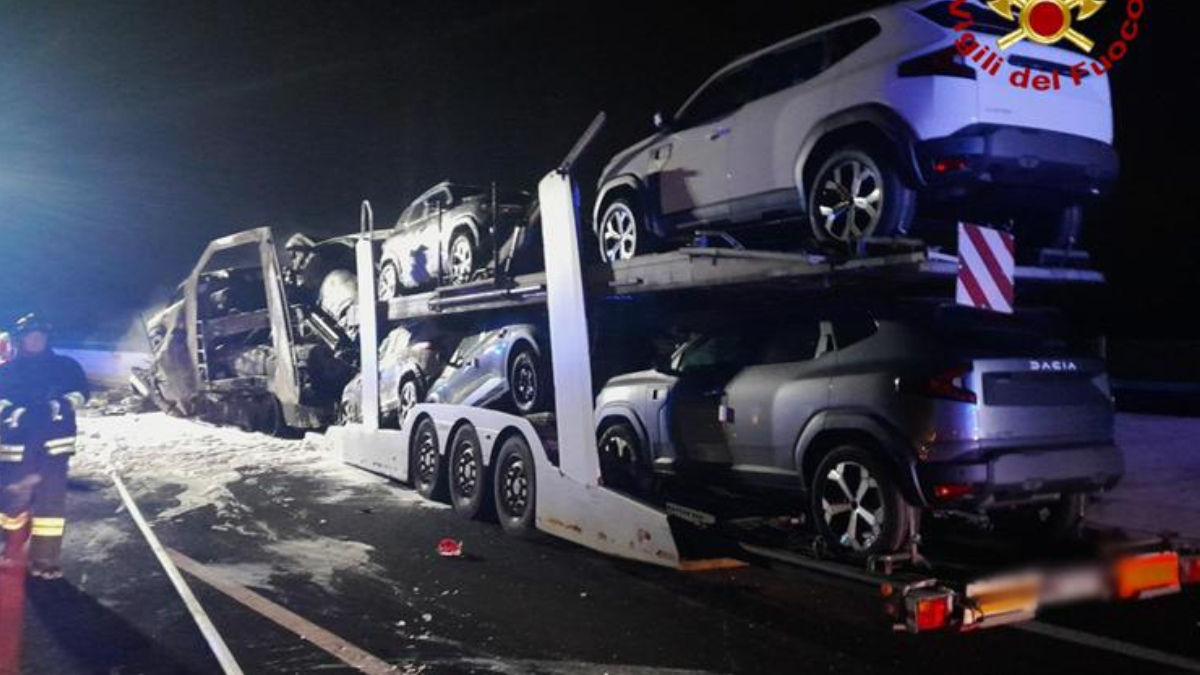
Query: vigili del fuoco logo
[1046, 22]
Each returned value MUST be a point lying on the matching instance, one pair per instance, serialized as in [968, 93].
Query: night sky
[131, 133]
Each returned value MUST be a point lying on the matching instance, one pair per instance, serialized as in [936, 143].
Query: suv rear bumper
[1019, 475]
[988, 156]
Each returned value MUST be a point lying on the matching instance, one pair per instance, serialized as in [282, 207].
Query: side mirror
[662, 122]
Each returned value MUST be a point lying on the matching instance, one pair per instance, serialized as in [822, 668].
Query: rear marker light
[1146, 576]
[929, 610]
[951, 492]
[951, 165]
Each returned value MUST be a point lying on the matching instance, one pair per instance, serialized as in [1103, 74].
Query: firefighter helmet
[299, 242]
[30, 323]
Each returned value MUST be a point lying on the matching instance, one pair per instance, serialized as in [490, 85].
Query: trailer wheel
[425, 466]
[858, 509]
[516, 488]
[470, 484]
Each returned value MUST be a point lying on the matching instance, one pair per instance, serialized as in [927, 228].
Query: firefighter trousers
[33, 499]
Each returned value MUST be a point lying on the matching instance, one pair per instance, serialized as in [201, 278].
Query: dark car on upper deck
[448, 236]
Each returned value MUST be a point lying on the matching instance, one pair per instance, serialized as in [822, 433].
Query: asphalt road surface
[316, 565]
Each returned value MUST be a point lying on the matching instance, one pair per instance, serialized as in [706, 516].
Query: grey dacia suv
[873, 418]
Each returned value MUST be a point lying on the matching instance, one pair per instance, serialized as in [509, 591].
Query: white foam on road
[201, 464]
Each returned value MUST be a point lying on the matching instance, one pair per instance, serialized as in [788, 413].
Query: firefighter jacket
[38, 398]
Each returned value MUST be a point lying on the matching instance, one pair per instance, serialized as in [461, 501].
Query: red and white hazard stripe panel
[986, 268]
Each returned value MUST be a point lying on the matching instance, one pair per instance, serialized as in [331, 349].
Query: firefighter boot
[45, 548]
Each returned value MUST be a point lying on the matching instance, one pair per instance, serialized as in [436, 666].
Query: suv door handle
[719, 133]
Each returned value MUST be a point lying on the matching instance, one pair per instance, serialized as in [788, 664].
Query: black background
[133, 132]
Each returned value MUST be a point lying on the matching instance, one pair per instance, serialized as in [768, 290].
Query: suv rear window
[792, 66]
[1040, 330]
[849, 38]
[983, 19]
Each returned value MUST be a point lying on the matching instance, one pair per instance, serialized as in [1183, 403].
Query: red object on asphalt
[450, 548]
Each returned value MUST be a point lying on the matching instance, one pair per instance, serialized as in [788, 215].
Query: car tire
[622, 233]
[857, 194]
[407, 398]
[462, 258]
[426, 470]
[526, 382]
[388, 285]
[1061, 519]
[623, 464]
[470, 484]
[515, 488]
[857, 506]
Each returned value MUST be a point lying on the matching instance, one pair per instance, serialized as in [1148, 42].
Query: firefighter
[39, 394]
[297, 275]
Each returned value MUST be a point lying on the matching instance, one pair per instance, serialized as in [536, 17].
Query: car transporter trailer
[920, 590]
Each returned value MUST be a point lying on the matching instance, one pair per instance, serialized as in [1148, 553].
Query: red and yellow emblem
[1047, 21]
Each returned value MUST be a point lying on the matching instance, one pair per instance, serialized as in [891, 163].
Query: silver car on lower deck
[498, 366]
[874, 418]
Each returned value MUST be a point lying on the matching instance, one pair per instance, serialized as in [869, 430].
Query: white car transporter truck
[551, 469]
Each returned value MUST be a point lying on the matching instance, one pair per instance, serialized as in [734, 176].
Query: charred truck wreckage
[251, 342]
[270, 345]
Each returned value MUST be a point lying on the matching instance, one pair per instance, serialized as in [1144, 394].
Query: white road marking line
[337, 647]
[366, 662]
[1111, 645]
[219, 649]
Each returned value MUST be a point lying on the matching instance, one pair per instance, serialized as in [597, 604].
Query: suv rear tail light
[948, 384]
[946, 62]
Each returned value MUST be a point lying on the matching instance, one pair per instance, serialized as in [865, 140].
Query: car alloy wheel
[618, 233]
[462, 259]
[409, 397]
[389, 282]
[621, 463]
[523, 380]
[852, 505]
[849, 202]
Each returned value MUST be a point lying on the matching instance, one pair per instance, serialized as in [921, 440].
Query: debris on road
[450, 548]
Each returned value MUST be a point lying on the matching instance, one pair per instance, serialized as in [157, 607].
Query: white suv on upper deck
[847, 125]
